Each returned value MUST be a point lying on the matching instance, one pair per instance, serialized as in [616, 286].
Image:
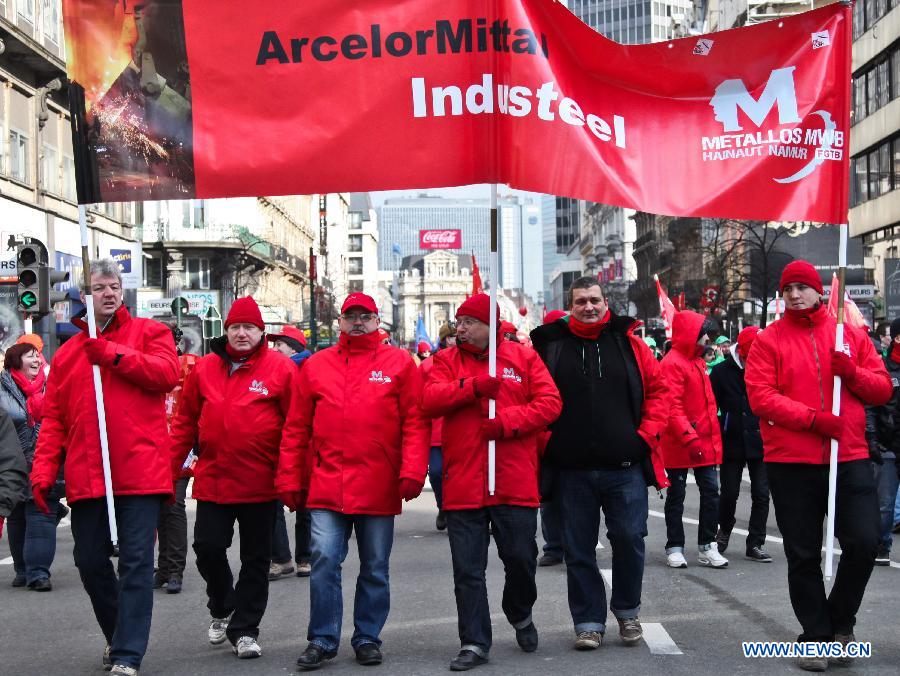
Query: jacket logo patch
[379, 377]
[259, 387]
[510, 374]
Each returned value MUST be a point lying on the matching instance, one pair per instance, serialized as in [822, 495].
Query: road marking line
[658, 640]
[6, 562]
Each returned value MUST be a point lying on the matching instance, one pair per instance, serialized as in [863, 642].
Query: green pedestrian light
[28, 300]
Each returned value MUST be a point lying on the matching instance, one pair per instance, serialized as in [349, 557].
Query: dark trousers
[32, 539]
[551, 526]
[435, 465]
[708, 484]
[622, 496]
[213, 532]
[171, 531]
[731, 473]
[124, 605]
[514, 529]
[800, 497]
[281, 546]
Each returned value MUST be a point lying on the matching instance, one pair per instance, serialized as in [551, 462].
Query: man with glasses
[360, 446]
[139, 366]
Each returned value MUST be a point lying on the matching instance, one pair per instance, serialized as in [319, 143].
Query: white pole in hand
[98, 384]
[492, 345]
[835, 408]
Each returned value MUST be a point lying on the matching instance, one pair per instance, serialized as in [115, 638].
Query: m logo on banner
[779, 91]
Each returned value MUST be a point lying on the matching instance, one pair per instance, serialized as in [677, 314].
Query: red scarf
[242, 355]
[34, 393]
[588, 331]
[894, 354]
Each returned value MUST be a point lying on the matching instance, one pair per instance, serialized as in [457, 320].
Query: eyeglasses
[467, 322]
[353, 317]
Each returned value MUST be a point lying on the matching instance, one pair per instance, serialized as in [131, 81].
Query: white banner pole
[492, 345]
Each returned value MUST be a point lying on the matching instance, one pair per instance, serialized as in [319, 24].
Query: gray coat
[13, 402]
[13, 468]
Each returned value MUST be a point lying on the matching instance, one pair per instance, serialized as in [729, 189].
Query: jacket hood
[685, 332]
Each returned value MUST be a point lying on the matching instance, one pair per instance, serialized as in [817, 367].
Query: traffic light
[28, 264]
[47, 295]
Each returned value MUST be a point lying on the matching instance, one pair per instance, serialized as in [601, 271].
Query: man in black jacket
[741, 445]
[603, 452]
[884, 442]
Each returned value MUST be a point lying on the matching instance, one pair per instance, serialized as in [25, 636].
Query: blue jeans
[897, 509]
[281, 546]
[32, 540]
[622, 496]
[708, 485]
[886, 484]
[435, 465]
[551, 527]
[329, 538]
[123, 606]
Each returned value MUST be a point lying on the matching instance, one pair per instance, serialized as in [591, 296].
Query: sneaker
[173, 586]
[123, 670]
[279, 570]
[758, 554]
[313, 657]
[42, 585]
[676, 560]
[217, 628]
[630, 631]
[440, 521]
[549, 560]
[812, 663]
[19, 581]
[883, 557]
[106, 660]
[304, 569]
[588, 640]
[710, 557]
[246, 648]
[527, 638]
[722, 538]
[467, 659]
[843, 639]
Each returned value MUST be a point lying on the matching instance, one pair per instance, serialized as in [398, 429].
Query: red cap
[245, 311]
[423, 347]
[801, 272]
[359, 300]
[745, 340]
[553, 315]
[290, 333]
[508, 327]
[478, 307]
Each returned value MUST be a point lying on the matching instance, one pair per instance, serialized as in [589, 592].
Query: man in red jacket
[139, 366]
[691, 440]
[357, 445]
[790, 380]
[232, 409]
[458, 388]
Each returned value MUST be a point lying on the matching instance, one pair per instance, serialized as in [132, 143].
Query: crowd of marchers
[583, 417]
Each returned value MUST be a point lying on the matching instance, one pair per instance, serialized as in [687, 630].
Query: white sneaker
[676, 560]
[217, 628]
[123, 670]
[711, 557]
[247, 648]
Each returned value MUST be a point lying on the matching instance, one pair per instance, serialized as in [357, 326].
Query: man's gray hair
[106, 267]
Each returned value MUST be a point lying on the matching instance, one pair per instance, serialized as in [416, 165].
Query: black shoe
[896, 529]
[42, 585]
[758, 554]
[368, 654]
[467, 660]
[313, 657]
[883, 557]
[549, 560]
[527, 638]
[722, 539]
[441, 521]
[173, 586]
[18, 581]
[158, 582]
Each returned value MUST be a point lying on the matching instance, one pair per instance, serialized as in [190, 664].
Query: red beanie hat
[423, 347]
[553, 315]
[479, 307]
[745, 340]
[245, 311]
[801, 272]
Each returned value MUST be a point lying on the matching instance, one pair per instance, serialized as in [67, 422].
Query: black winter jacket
[882, 422]
[741, 440]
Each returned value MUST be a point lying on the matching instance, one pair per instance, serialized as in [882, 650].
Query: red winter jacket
[234, 420]
[357, 428]
[789, 378]
[692, 437]
[437, 424]
[140, 366]
[528, 401]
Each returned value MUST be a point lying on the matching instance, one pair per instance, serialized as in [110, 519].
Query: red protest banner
[281, 98]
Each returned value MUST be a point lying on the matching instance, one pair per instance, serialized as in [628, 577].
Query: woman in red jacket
[232, 410]
[691, 440]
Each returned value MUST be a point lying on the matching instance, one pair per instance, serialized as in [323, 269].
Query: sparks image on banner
[237, 98]
[440, 239]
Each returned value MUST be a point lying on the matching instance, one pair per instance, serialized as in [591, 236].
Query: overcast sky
[467, 191]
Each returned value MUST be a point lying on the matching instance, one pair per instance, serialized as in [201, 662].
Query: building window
[18, 156]
[69, 191]
[50, 170]
[354, 243]
[26, 10]
[196, 273]
[354, 266]
[859, 98]
[355, 220]
[355, 286]
[153, 272]
[50, 12]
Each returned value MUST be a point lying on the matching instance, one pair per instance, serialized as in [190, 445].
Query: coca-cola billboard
[440, 239]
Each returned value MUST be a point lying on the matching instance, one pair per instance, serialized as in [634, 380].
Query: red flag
[666, 308]
[477, 287]
[852, 315]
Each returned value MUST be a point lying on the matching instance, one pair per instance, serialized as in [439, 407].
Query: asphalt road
[694, 619]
